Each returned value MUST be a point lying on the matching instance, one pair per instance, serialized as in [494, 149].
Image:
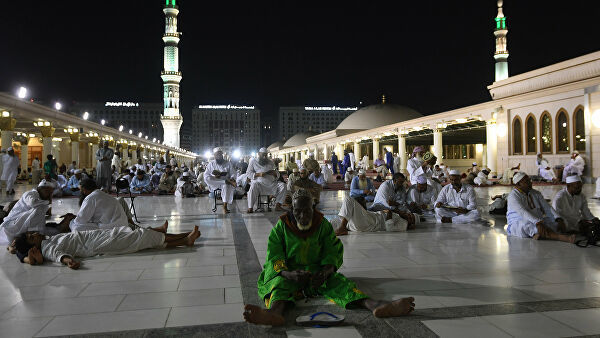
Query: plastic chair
[262, 202]
[123, 184]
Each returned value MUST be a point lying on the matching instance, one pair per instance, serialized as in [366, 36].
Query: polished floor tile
[531, 325]
[465, 328]
[586, 321]
[198, 315]
[332, 332]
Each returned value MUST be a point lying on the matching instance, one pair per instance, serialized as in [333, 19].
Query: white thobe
[214, 182]
[117, 241]
[28, 214]
[464, 198]
[525, 210]
[183, 187]
[352, 160]
[264, 185]
[327, 173]
[415, 169]
[365, 162]
[99, 210]
[10, 165]
[397, 164]
[363, 220]
[103, 168]
[575, 166]
[116, 161]
[386, 192]
[571, 209]
[35, 164]
[481, 179]
[427, 197]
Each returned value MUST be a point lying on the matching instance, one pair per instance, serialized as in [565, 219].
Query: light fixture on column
[22, 92]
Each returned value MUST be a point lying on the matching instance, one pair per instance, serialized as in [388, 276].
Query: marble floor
[468, 280]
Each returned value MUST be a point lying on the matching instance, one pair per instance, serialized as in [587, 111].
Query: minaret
[501, 54]
[171, 76]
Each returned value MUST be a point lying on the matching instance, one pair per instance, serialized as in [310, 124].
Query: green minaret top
[170, 3]
[500, 19]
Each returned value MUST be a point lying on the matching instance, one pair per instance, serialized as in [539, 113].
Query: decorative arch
[579, 128]
[563, 144]
[546, 133]
[517, 135]
[530, 134]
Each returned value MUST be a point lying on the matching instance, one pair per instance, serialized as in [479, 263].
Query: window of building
[546, 133]
[579, 129]
[530, 134]
[562, 132]
[517, 136]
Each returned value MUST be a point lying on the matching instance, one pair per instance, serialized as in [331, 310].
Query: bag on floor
[592, 236]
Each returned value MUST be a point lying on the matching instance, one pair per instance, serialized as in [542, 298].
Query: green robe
[291, 249]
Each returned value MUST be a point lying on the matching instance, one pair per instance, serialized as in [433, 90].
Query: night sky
[429, 55]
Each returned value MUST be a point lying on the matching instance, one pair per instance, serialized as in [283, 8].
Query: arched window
[562, 132]
[546, 133]
[579, 129]
[530, 134]
[517, 133]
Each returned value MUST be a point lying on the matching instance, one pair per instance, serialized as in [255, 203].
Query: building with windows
[228, 126]
[137, 116]
[293, 120]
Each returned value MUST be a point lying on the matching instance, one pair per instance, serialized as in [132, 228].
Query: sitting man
[498, 205]
[391, 194]
[509, 173]
[72, 188]
[304, 182]
[311, 164]
[547, 173]
[482, 178]
[29, 214]
[60, 183]
[140, 183]
[185, 186]
[291, 165]
[571, 205]
[421, 196]
[348, 177]
[318, 178]
[303, 256]
[34, 248]
[530, 216]
[575, 166]
[265, 181]
[380, 167]
[220, 174]
[456, 202]
[167, 182]
[362, 186]
[355, 217]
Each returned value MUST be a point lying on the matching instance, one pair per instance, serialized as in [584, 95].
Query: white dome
[298, 139]
[277, 144]
[378, 115]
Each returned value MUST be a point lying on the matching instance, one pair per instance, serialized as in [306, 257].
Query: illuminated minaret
[501, 54]
[171, 76]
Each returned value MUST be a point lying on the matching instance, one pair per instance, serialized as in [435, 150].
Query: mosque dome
[378, 115]
[277, 144]
[299, 139]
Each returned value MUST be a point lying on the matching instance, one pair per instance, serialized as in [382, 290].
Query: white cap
[362, 172]
[454, 172]
[573, 179]
[217, 149]
[575, 152]
[77, 171]
[422, 179]
[474, 163]
[518, 177]
[186, 173]
[45, 184]
[9, 149]
[262, 150]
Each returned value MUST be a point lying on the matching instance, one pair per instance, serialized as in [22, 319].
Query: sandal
[325, 319]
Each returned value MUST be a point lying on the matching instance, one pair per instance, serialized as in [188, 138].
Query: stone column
[134, 156]
[375, 149]
[47, 132]
[94, 141]
[438, 147]
[7, 125]
[75, 148]
[492, 146]
[56, 150]
[402, 151]
[125, 153]
[325, 152]
[357, 153]
[24, 154]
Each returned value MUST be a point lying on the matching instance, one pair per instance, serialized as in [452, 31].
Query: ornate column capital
[45, 128]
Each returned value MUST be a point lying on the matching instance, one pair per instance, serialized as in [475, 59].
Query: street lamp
[57, 106]
[140, 134]
[154, 139]
[130, 131]
[103, 122]
[121, 128]
[22, 92]
[86, 115]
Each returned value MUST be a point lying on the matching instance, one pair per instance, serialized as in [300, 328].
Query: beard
[419, 157]
[304, 227]
[263, 161]
[221, 161]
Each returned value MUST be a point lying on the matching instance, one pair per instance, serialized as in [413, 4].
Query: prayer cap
[296, 170]
[263, 150]
[422, 179]
[575, 152]
[573, 179]
[77, 171]
[45, 184]
[302, 193]
[474, 163]
[9, 149]
[427, 156]
[362, 172]
[518, 177]
[186, 173]
[418, 149]
[217, 149]
[454, 172]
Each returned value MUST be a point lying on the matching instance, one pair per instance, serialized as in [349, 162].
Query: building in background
[293, 120]
[135, 116]
[228, 126]
[186, 136]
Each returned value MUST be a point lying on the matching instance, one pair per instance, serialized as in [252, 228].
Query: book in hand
[450, 207]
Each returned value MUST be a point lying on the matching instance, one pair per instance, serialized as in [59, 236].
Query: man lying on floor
[303, 256]
[355, 217]
[456, 202]
[33, 248]
[530, 216]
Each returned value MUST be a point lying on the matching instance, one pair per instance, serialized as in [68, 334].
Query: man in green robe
[303, 255]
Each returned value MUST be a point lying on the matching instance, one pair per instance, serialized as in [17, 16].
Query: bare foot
[226, 211]
[341, 231]
[193, 236]
[256, 315]
[400, 307]
[249, 210]
[163, 228]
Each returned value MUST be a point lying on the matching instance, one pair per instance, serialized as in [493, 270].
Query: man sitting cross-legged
[529, 215]
[303, 255]
[456, 202]
[34, 248]
[421, 197]
[140, 183]
[355, 217]
[304, 182]
[391, 194]
[571, 206]
[362, 186]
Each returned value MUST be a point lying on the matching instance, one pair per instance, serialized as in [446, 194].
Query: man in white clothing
[571, 206]
[104, 158]
[546, 171]
[391, 194]
[219, 174]
[185, 187]
[265, 181]
[482, 177]
[396, 163]
[355, 217]
[421, 197]
[348, 177]
[530, 216]
[352, 160]
[575, 166]
[35, 164]
[10, 167]
[365, 162]
[456, 202]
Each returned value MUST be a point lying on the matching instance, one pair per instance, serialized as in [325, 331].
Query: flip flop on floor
[320, 319]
